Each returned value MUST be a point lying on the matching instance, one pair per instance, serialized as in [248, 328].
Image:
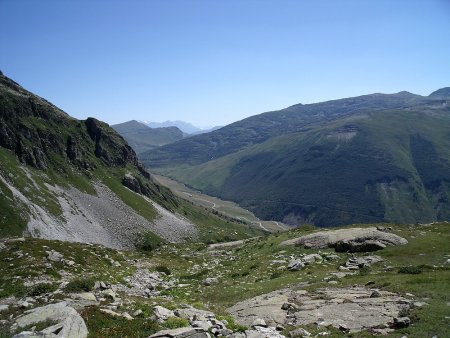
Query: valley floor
[327, 293]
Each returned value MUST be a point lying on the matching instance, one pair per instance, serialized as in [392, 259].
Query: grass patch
[175, 323]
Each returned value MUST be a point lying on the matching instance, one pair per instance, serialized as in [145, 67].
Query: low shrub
[80, 285]
[164, 269]
[410, 270]
[175, 323]
[150, 242]
[40, 289]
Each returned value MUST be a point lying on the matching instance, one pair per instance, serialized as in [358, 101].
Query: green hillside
[349, 161]
[143, 138]
[48, 158]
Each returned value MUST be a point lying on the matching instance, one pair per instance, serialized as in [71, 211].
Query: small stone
[279, 327]
[162, 314]
[86, 296]
[54, 256]
[344, 328]
[259, 322]
[300, 332]
[419, 304]
[401, 322]
[70, 263]
[295, 265]
[210, 281]
[138, 313]
[23, 305]
[4, 308]
[203, 324]
[224, 332]
[289, 306]
[109, 294]
[375, 294]
[126, 315]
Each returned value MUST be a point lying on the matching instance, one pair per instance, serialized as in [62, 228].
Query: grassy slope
[259, 128]
[395, 168]
[245, 272]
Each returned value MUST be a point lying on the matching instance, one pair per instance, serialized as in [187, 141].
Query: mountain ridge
[344, 161]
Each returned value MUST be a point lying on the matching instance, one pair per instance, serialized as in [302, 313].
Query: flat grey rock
[353, 308]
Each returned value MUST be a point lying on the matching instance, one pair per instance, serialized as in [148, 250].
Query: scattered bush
[410, 270]
[80, 285]
[275, 275]
[150, 242]
[175, 323]
[40, 289]
[164, 269]
[365, 270]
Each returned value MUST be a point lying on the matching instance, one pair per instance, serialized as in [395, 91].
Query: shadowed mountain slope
[365, 159]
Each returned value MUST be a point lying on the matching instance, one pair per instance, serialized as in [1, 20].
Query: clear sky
[215, 62]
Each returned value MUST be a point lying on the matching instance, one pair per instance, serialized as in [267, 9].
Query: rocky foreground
[262, 287]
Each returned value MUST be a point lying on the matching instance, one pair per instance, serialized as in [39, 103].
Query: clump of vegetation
[410, 270]
[232, 325]
[13, 289]
[41, 288]
[164, 269]
[150, 242]
[80, 285]
[365, 270]
[175, 323]
[275, 275]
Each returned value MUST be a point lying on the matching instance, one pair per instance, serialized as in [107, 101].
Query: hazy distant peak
[185, 127]
[443, 92]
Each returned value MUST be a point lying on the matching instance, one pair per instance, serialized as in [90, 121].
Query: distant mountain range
[372, 158]
[185, 127]
[142, 138]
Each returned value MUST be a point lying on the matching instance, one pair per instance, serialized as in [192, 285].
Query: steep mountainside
[61, 178]
[366, 159]
[143, 138]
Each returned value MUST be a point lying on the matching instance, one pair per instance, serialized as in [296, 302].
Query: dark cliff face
[40, 134]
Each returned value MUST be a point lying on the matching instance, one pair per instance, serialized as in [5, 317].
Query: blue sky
[215, 62]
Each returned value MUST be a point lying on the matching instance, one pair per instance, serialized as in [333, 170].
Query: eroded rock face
[348, 240]
[69, 323]
[353, 308]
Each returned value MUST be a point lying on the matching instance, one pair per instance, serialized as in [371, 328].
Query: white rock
[162, 314]
[70, 324]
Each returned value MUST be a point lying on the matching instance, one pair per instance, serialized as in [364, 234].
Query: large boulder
[348, 240]
[69, 323]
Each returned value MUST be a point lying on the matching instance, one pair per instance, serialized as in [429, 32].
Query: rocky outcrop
[69, 323]
[348, 240]
[353, 309]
